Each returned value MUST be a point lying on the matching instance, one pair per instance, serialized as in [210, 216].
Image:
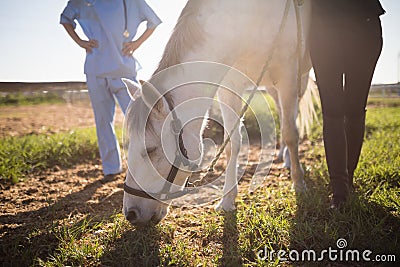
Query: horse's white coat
[236, 33]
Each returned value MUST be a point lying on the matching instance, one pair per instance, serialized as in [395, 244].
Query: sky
[34, 47]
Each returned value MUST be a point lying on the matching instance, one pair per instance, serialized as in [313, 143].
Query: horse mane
[187, 32]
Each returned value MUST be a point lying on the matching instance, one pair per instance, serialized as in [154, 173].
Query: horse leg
[289, 103]
[282, 154]
[230, 104]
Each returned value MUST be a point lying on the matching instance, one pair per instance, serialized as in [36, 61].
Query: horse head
[156, 172]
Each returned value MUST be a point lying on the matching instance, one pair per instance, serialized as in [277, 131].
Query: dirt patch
[47, 119]
[30, 208]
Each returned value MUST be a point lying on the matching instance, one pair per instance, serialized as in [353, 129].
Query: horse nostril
[155, 219]
[132, 216]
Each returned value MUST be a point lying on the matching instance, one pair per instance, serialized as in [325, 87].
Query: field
[55, 212]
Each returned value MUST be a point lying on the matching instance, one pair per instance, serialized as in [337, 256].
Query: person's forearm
[87, 45]
[130, 47]
[71, 32]
[145, 36]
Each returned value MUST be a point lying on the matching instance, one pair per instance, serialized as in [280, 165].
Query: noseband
[180, 158]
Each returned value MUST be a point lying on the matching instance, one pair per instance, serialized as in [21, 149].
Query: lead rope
[210, 168]
[297, 5]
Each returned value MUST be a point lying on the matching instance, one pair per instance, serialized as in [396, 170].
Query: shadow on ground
[31, 234]
[359, 226]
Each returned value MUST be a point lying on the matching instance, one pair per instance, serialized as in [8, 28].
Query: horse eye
[148, 151]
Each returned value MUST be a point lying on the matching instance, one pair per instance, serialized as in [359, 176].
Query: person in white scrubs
[110, 27]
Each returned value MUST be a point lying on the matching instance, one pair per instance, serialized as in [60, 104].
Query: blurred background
[35, 47]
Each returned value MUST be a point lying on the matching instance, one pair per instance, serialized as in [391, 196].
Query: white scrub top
[104, 21]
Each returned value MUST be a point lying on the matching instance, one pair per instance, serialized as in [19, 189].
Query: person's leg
[115, 88]
[118, 88]
[355, 128]
[326, 56]
[103, 105]
[366, 50]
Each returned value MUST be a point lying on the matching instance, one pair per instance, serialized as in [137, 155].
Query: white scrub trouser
[103, 92]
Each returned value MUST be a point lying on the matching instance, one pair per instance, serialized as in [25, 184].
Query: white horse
[233, 33]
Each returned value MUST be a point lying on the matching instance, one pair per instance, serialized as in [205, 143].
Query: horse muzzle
[145, 217]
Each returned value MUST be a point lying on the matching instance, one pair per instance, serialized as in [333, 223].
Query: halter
[180, 158]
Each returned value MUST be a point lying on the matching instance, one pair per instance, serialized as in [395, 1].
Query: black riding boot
[355, 128]
[336, 157]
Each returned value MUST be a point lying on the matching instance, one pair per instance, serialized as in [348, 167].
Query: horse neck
[190, 102]
[191, 105]
[191, 87]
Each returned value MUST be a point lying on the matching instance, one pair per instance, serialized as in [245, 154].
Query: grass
[20, 99]
[384, 102]
[273, 218]
[20, 156]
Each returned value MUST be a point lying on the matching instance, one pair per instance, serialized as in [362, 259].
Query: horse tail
[309, 102]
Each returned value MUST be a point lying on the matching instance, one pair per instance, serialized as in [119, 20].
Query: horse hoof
[300, 188]
[286, 165]
[225, 206]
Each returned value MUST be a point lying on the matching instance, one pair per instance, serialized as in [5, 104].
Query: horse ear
[152, 97]
[133, 87]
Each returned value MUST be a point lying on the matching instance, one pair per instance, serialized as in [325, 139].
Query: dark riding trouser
[344, 55]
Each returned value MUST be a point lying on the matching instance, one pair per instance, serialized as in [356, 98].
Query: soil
[51, 196]
[41, 189]
[47, 119]
[46, 199]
